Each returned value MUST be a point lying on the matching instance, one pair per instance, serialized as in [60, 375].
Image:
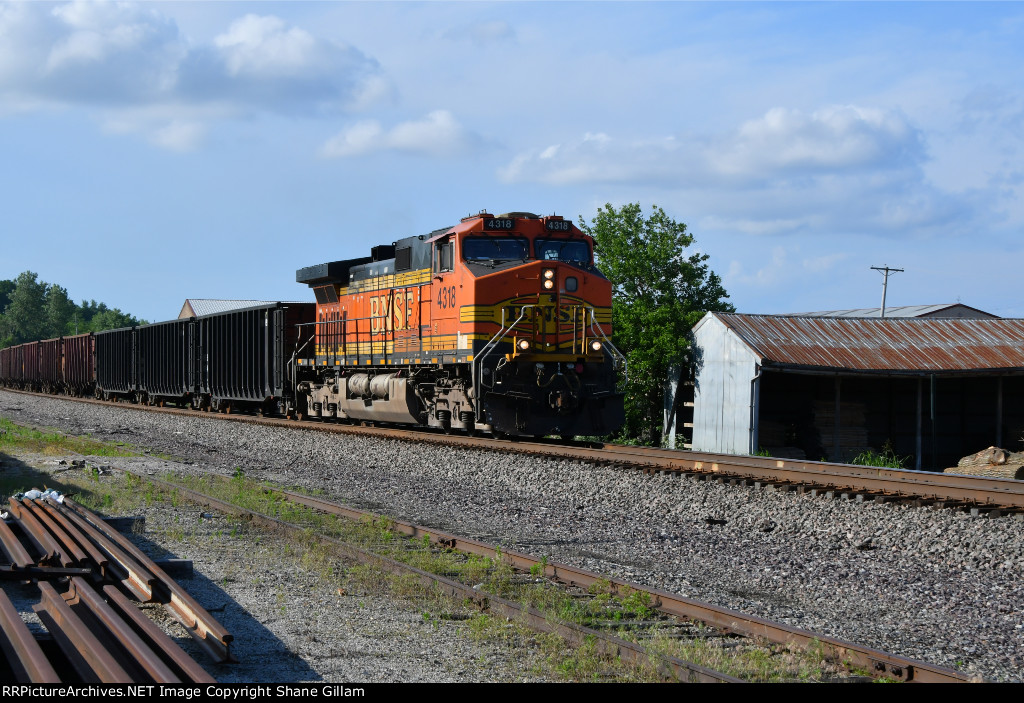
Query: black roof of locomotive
[332, 272]
[382, 260]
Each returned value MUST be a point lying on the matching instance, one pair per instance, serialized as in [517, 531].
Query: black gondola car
[166, 360]
[116, 363]
[244, 355]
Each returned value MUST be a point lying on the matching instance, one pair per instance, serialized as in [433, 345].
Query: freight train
[500, 324]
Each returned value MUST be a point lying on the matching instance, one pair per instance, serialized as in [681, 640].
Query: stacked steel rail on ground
[84, 572]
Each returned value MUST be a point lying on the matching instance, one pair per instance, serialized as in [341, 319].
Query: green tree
[6, 288]
[59, 311]
[24, 319]
[659, 293]
[32, 309]
[110, 319]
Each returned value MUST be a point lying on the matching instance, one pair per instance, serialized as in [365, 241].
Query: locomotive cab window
[573, 251]
[495, 249]
[443, 256]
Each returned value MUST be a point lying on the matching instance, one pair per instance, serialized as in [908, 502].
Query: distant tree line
[31, 309]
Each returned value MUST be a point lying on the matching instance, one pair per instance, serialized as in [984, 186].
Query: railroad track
[723, 620]
[981, 495]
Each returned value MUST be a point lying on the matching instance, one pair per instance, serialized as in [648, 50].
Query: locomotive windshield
[495, 249]
[568, 250]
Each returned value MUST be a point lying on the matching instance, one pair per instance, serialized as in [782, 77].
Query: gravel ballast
[936, 585]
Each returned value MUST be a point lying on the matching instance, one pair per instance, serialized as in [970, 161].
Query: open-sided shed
[829, 388]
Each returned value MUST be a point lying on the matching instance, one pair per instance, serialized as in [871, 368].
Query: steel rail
[11, 545]
[874, 660]
[24, 656]
[88, 656]
[12, 573]
[51, 552]
[899, 483]
[186, 668]
[679, 669]
[70, 546]
[927, 484]
[204, 628]
[135, 577]
[104, 636]
[96, 556]
[146, 659]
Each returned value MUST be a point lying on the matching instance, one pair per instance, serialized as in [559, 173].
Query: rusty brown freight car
[29, 367]
[79, 364]
[50, 375]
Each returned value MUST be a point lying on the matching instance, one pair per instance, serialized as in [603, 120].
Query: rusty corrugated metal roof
[942, 310]
[882, 345]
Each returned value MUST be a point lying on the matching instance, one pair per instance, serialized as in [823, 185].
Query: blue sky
[151, 152]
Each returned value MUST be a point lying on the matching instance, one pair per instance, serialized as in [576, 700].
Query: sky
[156, 151]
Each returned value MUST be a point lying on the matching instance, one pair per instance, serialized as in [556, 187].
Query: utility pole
[885, 271]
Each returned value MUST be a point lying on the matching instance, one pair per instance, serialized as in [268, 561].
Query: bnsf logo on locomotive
[391, 311]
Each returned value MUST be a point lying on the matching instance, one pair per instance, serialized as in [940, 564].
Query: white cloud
[781, 144]
[831, 140]
[485, 32]
[838, 170]
[438, 134]
[777, 270]
[179, 136]
[821, 264]
[261, 46]
[129, 59]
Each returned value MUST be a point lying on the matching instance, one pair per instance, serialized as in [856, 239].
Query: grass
[18, 438]
[887, 458]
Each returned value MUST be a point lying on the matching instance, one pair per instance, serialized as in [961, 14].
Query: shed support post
[837, 424]
[999, 411]
[755, 410]
[935, 460]
[917, 460]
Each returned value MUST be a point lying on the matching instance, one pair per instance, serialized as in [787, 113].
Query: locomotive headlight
[524, 344]
[549, 284]
[549, 274]
[596, 345]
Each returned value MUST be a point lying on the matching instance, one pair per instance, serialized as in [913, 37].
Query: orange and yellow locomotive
[500, 324]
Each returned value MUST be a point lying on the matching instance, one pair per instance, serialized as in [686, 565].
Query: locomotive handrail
[618, 357]
[489, 347]
[294, 370]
